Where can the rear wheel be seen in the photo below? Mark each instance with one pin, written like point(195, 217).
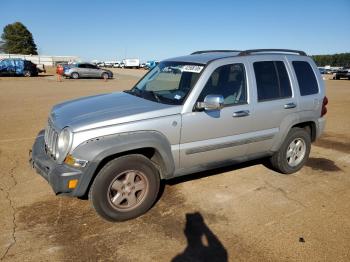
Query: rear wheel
point(125, 188)
point(293, 153)
point(75, 75)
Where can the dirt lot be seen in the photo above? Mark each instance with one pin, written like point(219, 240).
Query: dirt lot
point(242, 213)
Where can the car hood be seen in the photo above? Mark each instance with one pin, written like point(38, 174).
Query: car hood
point(107, 109)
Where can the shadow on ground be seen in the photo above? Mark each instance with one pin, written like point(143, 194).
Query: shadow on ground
point(322, 164)
point(202, 243)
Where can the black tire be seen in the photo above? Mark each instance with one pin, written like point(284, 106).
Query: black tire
point(75, 75)
point(280, 160)
point(27, 73)
point(101, 193)
point(105, 76)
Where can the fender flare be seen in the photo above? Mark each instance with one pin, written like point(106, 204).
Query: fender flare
point(97, 149)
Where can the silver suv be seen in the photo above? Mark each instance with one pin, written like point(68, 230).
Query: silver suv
point(188, 114)
point(86, 70)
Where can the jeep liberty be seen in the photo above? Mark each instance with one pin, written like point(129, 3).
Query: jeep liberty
point(187, 114)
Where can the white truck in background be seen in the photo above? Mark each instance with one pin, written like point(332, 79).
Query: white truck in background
point(131, 63)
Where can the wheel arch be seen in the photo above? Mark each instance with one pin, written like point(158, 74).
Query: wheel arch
point(310, 127)
point(288, 124)
point(99, 151)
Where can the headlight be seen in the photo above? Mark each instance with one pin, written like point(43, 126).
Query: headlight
point(64, 143)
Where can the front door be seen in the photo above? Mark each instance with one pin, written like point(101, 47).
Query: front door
point(211, 137)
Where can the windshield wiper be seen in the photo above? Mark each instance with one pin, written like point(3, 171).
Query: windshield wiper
point(142, 92)
point(154, 94)
point(134, 91)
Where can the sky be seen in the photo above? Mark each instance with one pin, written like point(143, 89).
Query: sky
point(159, 29)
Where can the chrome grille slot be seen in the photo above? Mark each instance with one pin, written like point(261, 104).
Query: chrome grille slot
point(51, 137)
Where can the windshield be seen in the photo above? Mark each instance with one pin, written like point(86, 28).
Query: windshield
point(168, 82)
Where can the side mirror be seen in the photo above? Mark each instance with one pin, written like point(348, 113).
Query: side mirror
point(211, 102)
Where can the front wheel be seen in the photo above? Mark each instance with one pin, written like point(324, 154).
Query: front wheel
point(105, 76)
point(125, 188)
point(293, 153)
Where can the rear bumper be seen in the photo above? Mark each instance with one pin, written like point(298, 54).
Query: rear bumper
point(57, 175)
point(321, 124)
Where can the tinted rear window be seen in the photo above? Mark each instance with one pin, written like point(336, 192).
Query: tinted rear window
point(306, 78)
point(272, 80)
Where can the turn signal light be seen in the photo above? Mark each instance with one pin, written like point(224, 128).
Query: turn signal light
point(72, 183)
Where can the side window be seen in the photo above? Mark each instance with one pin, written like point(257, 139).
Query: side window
point(272, 80)
point(306, 78)
point(82, 66)
point(90, 66)
point(228, 81)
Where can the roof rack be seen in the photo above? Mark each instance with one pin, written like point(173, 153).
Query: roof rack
point(249, 52)
point(214, 51)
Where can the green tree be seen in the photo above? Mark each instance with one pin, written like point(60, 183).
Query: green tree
point(18, 40)
point(1, 46)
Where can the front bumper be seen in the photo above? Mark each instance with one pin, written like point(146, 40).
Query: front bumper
point(58, 175)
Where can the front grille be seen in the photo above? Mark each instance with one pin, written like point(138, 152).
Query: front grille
point(51, 136)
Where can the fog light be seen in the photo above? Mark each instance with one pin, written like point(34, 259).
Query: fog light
point(72, 183)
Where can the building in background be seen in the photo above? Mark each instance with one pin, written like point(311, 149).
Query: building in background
point(43, 59)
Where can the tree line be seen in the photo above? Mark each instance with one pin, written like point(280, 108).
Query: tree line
point(342, 59)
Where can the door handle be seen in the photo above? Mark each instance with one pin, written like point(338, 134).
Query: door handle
point(290, 105)
point(241, 113)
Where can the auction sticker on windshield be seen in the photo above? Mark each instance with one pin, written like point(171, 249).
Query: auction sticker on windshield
point(192, 68)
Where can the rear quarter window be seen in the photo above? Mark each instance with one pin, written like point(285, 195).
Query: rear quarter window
point(306, 78)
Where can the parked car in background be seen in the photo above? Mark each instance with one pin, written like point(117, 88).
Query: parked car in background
point(188, 114)
point(111, 63)
point(19, 67)
point(343, 73)
point(131, 63)
point(86, 70)
point(322, 71)
point(116, 64)
point(100, 64)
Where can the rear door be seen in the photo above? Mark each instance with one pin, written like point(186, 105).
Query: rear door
point(275, 102)
point(82, 70)
point(93, 71)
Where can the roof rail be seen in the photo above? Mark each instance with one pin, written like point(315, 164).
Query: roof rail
point(249, 52)
point(214, 51)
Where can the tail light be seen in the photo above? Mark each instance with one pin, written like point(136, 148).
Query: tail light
point(324, 108)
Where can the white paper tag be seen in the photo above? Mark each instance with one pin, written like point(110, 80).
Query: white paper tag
point(192, 68)
point(177, 97)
